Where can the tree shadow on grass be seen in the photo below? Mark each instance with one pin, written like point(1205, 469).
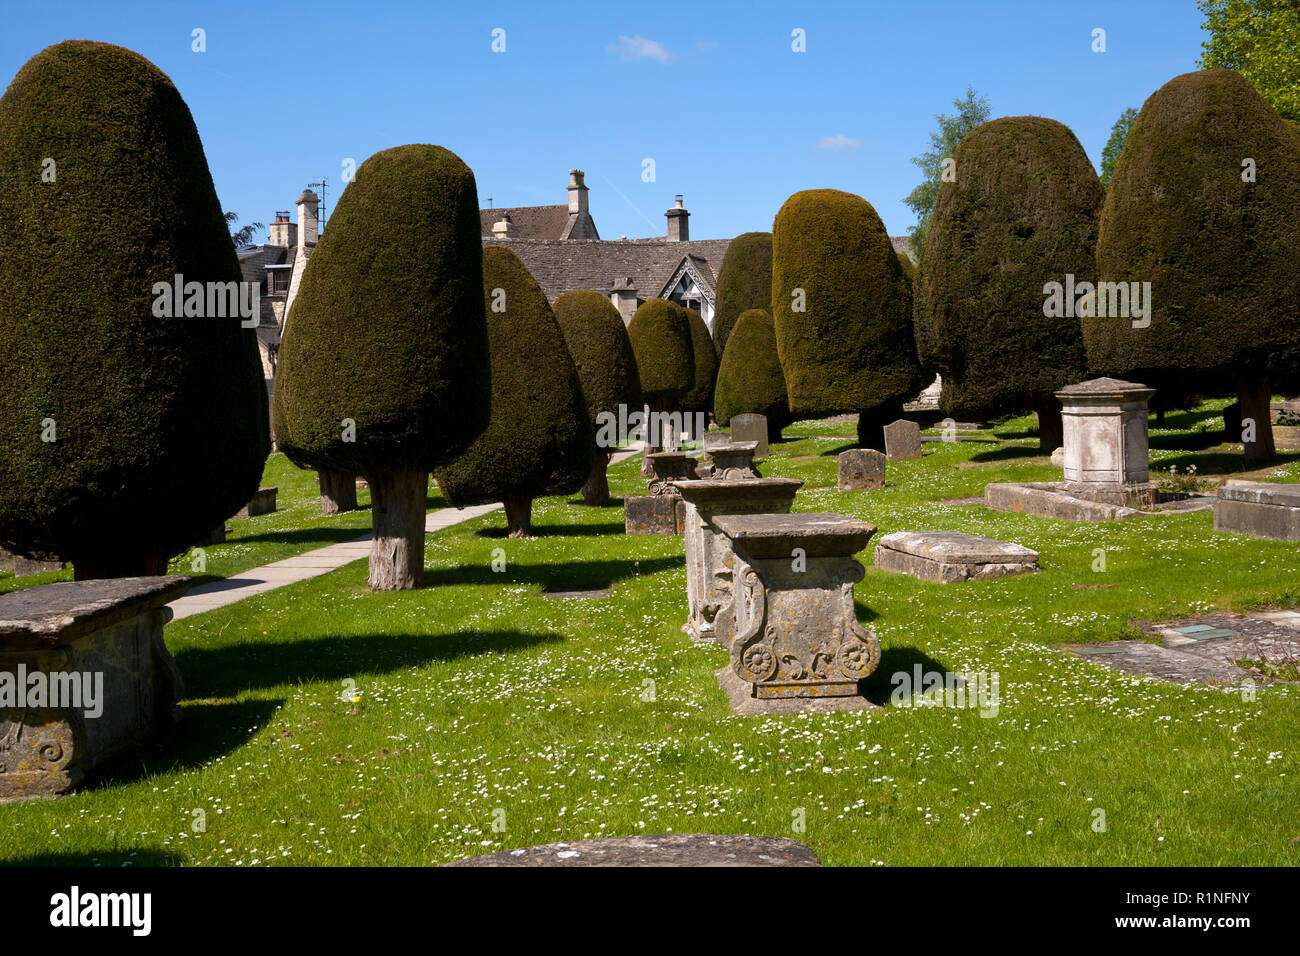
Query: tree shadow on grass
point(235, 669)
point(880, 685)
point(320, 536)
point(559, 530)
point(575, 575)
point(1008, 454)
point(834, 452)
point(109, 859)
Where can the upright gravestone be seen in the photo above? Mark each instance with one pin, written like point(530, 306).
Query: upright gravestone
point(1106, 451)
point(861, 469)
point(750, 427)
point(902, 440)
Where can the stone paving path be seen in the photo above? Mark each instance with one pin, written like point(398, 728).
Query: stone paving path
point(1204, 649)
point(300, 567)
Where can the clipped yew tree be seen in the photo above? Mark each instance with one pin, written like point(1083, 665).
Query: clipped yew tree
point(700, 396)
point(540, 438)
point(383, 369)
point(128, 430)
point(602, 355)
point(1204, 204)
point(842, 308)
point(750, 379)
point(1021, 214)
point(744, 282)
point(665, 360)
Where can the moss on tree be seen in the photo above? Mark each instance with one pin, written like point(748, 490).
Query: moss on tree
point(750, 379)
point(700, 396)
point(744, 282)
point(125, 436)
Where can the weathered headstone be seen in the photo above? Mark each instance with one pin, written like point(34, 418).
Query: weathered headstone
point(108, 686)
point(671, 849)
point(1106, 451)
point(22, 566)
point(1058, 458)
point(949, 556)
point(902, 440)
point(709, 558)
point(1261, 509)
point(861, 469)
point(798, 641)
point(262, 503)
point(750, 427)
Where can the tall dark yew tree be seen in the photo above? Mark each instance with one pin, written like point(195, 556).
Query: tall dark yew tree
point(125, 436)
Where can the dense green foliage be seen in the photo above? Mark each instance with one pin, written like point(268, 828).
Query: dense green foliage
point(971, 112)
point(700, 396)
point(744, 282)
point(388, 328)
point(540, 437)
point(1115, 145)
point(909, 268)
point(850, 348)
point(105, 191)
point(1022, 213)
point(1260, 39)
point(750, 377)
point(1220, 253)
point(661, 340)
point(601, 351)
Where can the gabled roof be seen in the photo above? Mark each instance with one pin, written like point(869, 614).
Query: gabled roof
point(531, 222)
point(563, 265)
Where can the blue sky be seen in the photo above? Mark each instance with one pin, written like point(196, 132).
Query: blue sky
point(712, 92)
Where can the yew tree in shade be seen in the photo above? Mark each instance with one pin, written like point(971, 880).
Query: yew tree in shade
point(540, 438)
point(1021, 213)
point(750, 379)
point(700, 396)
point(665, 357)
point(602, 354)
point(1222, 253)
point(744, 282)
point(843, 312)
point(124, 436)
point(383, 370)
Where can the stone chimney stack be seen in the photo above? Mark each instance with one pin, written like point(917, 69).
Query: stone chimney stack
point(679, 229)
point(308, 222)
point(504, 228)
point(623, 294)
point(282, 231)
point(577, 192)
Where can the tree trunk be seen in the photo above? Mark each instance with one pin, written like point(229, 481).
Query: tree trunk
point(338, 492)
point(120, 563)
point(1051, 429)
point(1254, 393)
point(871, 425)
point(1232, 422)
point(1160, 414)
point(596, 490)
point(397, 503)
point(774, 427)
point(519, 515)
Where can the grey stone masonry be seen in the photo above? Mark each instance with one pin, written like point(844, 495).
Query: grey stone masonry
point(672, 849)
point(950, 556)
point(751, 427)
point(1106, 450)
point(1260, 509)
point(902, 440)
point(860, 469)
point(709, 558)
point(797, 635)
point(84, 678)
point(733, 461)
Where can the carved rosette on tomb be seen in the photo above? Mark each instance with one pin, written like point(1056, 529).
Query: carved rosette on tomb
point(797, 634)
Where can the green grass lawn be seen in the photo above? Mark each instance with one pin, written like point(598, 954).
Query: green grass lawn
point(487, 716)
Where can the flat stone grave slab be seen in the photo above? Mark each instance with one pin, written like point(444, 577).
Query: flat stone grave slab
point(1207, 649)
point(672, 849)
point(85, 678)
point(950, 556)
point(750, 427)
point(575, 594)
point(1055, 499)
point(1260, 509)
point(860, 469)
point(902, 440)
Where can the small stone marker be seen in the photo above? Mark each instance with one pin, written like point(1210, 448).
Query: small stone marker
point(902, 440)
point(949, 556)
point(861, 469)
point(750, 427)
point(1058, 458)
point(56, 638)
point(798, 643)
point(672, 849)
point(1265, 510)
point(262, 503)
